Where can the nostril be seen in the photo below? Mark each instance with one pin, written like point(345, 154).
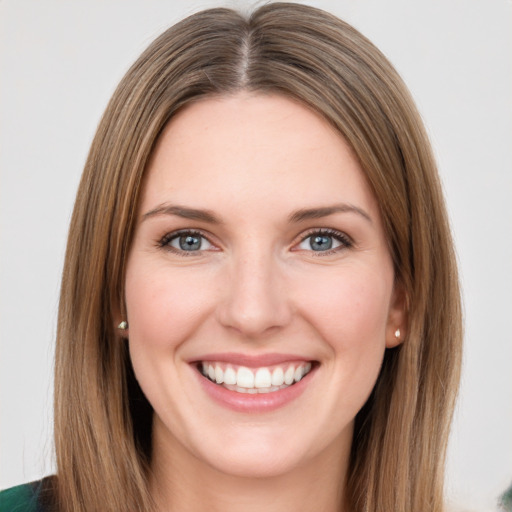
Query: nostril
point(254, 301)
point(254, 317)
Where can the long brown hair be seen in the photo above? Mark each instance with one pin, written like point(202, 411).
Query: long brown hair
point(102, 439)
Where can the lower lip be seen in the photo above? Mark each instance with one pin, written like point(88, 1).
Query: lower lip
point(257, 402)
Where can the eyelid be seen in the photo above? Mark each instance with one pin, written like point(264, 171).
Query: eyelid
point(164, 242)
point(345, 240)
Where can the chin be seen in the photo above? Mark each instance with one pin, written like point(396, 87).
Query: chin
point(253, 464)
point(260, 453)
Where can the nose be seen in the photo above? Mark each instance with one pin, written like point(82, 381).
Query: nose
point(255, 301)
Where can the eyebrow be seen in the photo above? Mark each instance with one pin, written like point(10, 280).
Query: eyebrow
point(297, 216)
point(184, 212)
point(324, 211)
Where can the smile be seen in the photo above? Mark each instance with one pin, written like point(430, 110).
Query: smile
point(267, 379)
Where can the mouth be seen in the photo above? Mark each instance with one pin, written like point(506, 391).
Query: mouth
point(258, 380)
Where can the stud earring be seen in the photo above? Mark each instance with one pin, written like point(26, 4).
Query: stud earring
point(397, 334)
point(123, 325)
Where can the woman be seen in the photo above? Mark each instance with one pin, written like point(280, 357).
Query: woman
point(259, 304)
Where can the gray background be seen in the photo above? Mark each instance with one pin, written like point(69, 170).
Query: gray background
point(59, 64)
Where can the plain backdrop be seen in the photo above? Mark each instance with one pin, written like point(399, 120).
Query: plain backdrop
point(60, 62)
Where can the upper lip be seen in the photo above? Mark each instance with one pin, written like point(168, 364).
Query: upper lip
point(251, 361)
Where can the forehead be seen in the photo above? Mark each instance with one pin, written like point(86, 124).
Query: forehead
point(253, 147)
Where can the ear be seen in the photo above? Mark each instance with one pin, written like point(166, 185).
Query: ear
point(396, 328)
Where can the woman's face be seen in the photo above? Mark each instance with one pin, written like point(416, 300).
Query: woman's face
point(259, 288)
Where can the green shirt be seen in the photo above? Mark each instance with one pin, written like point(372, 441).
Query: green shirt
point(22, 498)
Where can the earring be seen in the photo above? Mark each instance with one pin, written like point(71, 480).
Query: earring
point(397, 334)
point(123, 325)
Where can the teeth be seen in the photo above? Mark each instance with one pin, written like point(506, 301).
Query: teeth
point(263, 378)
point(255, 390)
point(260, 380)
point(278, 377)
point(289, 374)
point(219, 375)
point(244, 377)
point(229, 376)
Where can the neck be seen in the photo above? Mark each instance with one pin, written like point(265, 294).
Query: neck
point(180, 481)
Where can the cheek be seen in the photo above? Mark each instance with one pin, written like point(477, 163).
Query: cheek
point(351, 309)
point(164, 307)
point(164, 310)
point(350, 314)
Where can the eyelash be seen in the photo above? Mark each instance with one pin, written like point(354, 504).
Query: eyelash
point(164, 242)
point(345, 241)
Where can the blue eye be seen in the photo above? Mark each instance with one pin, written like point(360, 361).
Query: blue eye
point(322, 241)
point(186, 241)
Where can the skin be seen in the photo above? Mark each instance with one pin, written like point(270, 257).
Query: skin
point(257, 287)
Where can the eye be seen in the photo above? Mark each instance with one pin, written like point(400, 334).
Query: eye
point(186, 241)
point(325, 241)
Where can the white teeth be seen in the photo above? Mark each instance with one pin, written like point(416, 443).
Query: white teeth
point(289, 374)
point(229, 376)
point(255, 390)
point(261, 380)
point(219, 375)
point(278, 377)
point(244, 377)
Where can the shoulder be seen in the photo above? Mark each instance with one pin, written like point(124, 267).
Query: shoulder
point(23, 498)
point(506, 500)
